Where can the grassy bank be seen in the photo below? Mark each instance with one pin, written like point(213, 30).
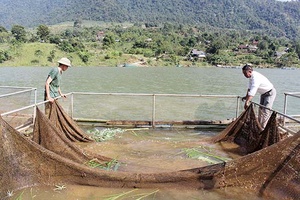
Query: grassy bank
point(37, 54)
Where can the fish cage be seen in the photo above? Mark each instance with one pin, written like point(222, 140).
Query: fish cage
point(156, 159)
point(136, 109)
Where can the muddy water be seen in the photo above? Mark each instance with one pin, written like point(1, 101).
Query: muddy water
point(147, 151)
point(72, 192)
point(158, 150)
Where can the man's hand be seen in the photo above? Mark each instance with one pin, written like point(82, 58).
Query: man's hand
point(246, 105)
point(51, 100)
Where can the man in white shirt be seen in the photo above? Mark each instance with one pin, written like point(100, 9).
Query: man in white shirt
point(259, 83)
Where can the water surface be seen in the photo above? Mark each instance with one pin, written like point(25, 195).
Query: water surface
point(173, 80)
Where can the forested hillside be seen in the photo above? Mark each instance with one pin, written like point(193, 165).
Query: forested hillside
point(279, 19)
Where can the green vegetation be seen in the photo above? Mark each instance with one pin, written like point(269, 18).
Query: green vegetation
point(105, 134)
point(59, 187)
point(111, 165)
point(143, 45)
point(274, 18)
point(202, 153)
point(129, 195)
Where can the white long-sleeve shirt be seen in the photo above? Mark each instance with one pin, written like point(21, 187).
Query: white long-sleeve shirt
point(259, 83)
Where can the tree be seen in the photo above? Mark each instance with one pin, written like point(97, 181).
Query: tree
point(43, 32)
point(38, 53)
point(4, 35)
point(108, 40)
point(192, 42)
point(84, 56)
point(289, 59)
point(19, 33)
point(4, 56)
point(66, 46)
point(51, 56)
point(297, 48)
point(263, 45)
point(215, 47)
point(2, 29)
point(78, 23)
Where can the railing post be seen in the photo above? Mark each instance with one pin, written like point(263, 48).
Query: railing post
point(284, 107)
point(35, 102)
point(72, 104)
point(153, 111)
point(237, 110)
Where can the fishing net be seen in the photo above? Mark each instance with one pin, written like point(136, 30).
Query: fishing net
point(46, 134)
point(248, 134)
point(65, 124)
point(272, 172)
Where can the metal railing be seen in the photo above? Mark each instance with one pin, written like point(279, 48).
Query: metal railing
point(153, 108)
point(291, 94)
point(14, 103)
point(19, 91)
point(293, 124)
point(295, 107)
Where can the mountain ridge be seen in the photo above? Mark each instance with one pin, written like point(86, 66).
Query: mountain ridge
point(280, 19)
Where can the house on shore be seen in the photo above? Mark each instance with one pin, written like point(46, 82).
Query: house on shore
point(197, 54)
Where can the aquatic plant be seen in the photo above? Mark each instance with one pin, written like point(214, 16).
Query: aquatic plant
point(140, 133)
point(144, 195)
point(128, 195)
point(117, 196)
point(9, 193)
point(113, 165)
point(204, 154)
point(20, 196)
point(105, 134)
point(59, 187)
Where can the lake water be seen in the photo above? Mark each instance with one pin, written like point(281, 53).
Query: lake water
point(168, 80)
point(161, 80)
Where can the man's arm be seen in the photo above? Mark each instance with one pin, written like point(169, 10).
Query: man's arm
point(61, 94)
point(47, 88)
point(247, 99)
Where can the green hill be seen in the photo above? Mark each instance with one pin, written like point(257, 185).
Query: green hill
point(276, 18)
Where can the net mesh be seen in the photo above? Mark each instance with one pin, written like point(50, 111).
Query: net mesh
point(56, 138)
point(248, 134)
point(271, 172)
point(65, 124)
